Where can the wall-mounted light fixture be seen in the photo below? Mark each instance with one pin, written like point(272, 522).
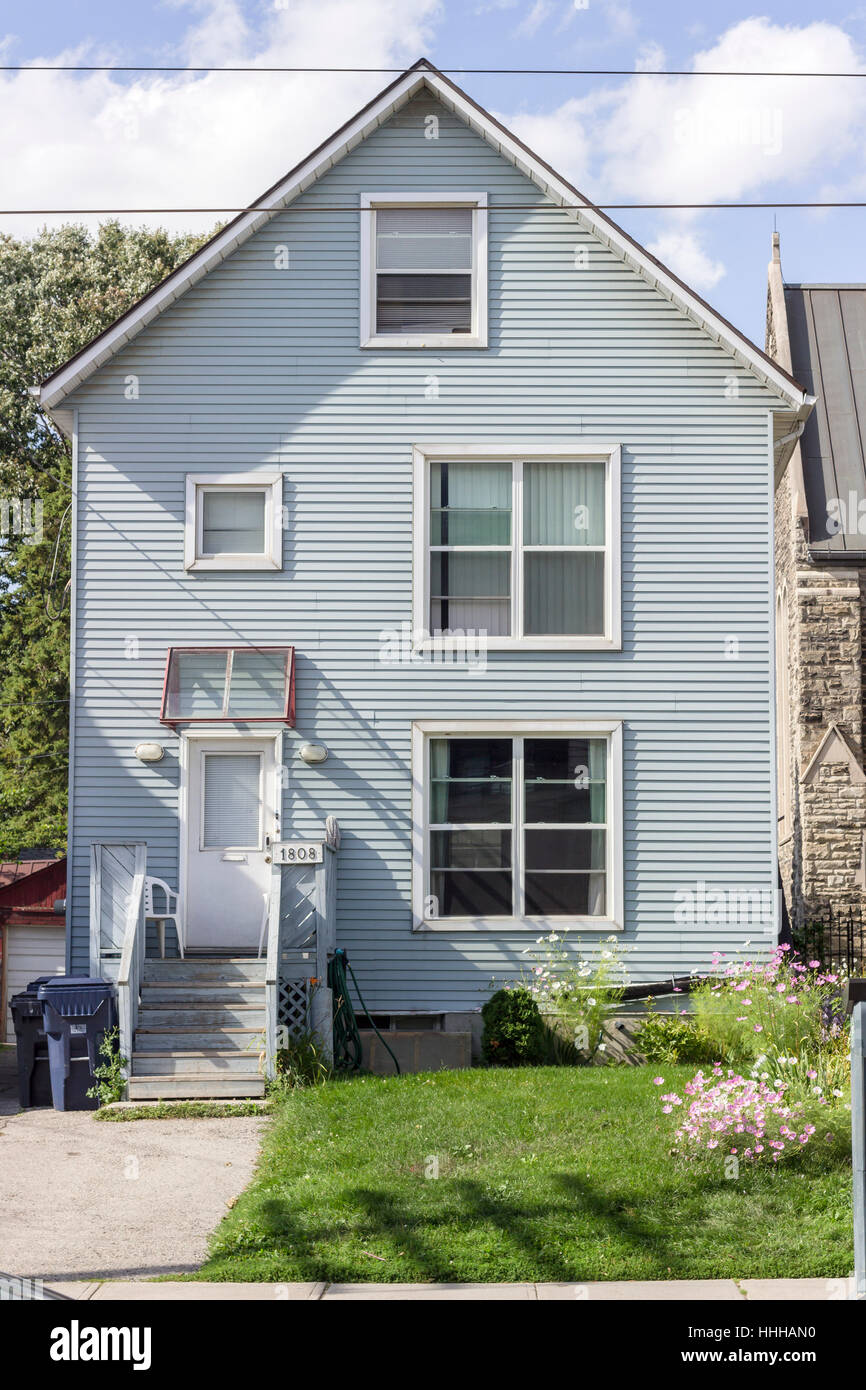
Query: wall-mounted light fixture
point(149, 752)
point(313, 753)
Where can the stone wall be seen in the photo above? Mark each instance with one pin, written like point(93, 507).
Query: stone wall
point(786, 557)
point(821, 842)
point(821, 836)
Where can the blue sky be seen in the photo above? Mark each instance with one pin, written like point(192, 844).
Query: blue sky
point(167, 140)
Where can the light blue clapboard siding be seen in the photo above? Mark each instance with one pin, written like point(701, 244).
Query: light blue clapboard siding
point(257, 366)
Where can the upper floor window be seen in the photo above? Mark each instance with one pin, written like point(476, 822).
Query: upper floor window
point(423, 270)
point(233, 521)
point(522, 549)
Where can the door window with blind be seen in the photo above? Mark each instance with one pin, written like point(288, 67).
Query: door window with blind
point(424, 280)
point(231, 801)
point(522, 550)
point(233, 522)
point(518, 828)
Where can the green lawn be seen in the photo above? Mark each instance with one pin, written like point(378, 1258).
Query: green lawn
point(544, 1174)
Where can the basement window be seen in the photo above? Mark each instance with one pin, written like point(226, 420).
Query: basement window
point(247, 685)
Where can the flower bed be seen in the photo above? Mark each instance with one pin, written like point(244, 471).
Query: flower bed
point(779, 1026)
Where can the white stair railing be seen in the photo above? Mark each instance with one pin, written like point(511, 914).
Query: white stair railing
point(117, 926)
point(272, 974)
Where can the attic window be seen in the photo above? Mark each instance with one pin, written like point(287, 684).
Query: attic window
point(424, 271)
point(244, 684)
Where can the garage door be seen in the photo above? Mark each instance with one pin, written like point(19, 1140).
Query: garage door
point(31, 951)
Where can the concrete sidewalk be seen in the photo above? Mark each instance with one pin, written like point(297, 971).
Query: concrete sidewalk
point(704, 1290)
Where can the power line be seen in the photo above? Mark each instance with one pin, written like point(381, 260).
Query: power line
point(391, 72)
point(495, 207)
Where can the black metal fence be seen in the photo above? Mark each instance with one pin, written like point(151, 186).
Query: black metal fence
point(836, 936)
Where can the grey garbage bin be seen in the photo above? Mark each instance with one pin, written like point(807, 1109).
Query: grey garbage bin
point(77, 1012)
point(34, 1079)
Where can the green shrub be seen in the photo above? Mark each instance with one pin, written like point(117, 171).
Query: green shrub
point(513, 1030)
point(110, 1072)
point(669, 1041)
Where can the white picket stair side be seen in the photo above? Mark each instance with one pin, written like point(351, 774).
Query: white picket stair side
point(212, 1025)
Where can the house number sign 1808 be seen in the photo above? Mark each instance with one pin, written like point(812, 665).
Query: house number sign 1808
point(298, 852)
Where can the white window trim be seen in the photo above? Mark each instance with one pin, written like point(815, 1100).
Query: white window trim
point(269, 483)
point(425, 729)
point(478, 337)
point(515, 452)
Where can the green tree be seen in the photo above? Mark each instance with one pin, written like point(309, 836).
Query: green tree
point(57, 291)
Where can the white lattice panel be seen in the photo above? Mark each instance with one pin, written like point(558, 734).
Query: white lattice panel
point(293, 1006)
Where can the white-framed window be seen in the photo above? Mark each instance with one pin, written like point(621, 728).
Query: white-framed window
point(233, 521)
point(424, 270)
point(517, 824)
point(520, 542)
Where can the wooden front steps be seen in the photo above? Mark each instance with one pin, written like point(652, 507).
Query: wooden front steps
point(200, 1032)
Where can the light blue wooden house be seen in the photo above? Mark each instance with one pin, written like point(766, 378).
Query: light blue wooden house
point(425, 500)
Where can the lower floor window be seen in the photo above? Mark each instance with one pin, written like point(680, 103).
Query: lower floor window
point(517, 827)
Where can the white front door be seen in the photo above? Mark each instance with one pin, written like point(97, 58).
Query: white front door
point(230, 823)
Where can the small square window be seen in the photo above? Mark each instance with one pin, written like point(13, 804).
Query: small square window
point(233, 522)
point(424, 271)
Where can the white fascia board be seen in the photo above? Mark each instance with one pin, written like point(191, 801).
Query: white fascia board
point(312, 169)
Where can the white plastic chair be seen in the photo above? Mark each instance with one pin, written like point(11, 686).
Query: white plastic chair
point(171, 913)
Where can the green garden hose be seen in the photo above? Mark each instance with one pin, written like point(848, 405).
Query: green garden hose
point(347, 1039)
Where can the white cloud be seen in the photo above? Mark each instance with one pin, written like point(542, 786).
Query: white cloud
point(693, 139)
point(707, 139)
point(621, 19)
point(533, 20)
point(713, 139)
point(682, 252)
point(100, 140)
point(564, 139)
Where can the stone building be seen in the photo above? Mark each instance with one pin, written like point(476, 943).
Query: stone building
point(818, 334)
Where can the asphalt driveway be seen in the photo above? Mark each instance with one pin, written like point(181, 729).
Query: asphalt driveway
point(88, 1199)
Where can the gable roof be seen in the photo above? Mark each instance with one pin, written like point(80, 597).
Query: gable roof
point(421, 75)
point(827, 334)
